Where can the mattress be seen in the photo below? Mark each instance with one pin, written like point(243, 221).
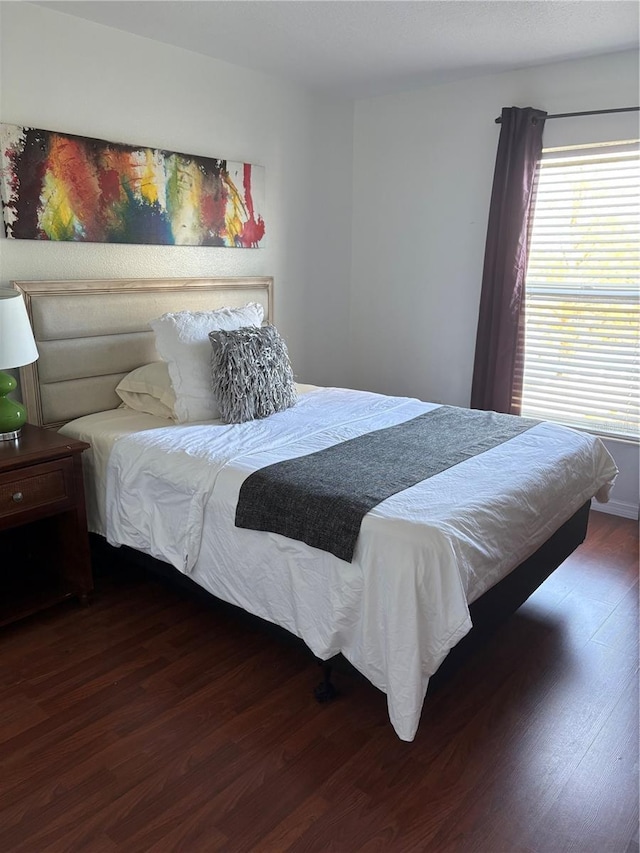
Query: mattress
point(422, 556)
point(101, 430)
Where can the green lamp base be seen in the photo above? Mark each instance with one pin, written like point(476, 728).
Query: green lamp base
point(12, 415)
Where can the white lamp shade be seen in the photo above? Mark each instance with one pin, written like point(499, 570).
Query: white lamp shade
point(17, 346)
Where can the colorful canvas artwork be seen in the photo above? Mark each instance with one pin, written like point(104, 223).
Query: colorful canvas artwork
point(56, 186)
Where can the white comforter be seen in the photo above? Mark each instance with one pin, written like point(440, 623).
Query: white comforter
point(421, 557)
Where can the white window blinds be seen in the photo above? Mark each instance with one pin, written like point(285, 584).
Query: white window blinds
point(582, 311)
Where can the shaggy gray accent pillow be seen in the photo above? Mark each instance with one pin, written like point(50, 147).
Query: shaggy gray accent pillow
point(250, 373)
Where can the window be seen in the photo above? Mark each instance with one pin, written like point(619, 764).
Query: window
point(582, 311)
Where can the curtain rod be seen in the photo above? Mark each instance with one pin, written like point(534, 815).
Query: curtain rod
point(587, 113)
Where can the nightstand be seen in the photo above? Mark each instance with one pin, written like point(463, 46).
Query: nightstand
point(44, 545)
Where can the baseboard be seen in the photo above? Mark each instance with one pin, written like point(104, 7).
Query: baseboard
point(621, 508)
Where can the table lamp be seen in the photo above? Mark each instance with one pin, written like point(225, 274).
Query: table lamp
point(17, 348)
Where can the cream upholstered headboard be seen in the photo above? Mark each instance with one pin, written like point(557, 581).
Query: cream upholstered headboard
point(90, 334)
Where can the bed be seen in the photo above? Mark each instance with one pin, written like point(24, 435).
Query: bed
point(434, 564)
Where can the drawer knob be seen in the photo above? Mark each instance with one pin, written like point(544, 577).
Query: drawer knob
point(17, 497)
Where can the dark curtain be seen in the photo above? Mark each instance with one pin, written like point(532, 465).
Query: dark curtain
point(497, 383)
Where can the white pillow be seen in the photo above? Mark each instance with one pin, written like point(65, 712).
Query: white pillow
point(148, 389)
point(182, 340)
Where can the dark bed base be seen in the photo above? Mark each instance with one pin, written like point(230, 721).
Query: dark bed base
point(487, 613)
point(498, 603)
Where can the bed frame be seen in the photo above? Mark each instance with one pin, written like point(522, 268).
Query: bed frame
point(90, 334)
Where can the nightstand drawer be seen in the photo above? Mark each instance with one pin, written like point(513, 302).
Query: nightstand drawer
point(46, 486)
point(43, 525)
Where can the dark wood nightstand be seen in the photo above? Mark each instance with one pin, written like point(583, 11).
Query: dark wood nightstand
point(44, 546)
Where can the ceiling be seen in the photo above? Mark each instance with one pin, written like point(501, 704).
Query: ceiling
point(362, 48)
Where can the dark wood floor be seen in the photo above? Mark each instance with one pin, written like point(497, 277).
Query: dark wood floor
point(156, 721)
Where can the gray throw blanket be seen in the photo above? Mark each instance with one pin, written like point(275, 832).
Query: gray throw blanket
point(321, 498)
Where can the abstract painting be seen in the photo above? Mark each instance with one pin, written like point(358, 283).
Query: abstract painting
point(57, 186)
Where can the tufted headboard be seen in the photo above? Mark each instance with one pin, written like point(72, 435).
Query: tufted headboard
point(90, 334)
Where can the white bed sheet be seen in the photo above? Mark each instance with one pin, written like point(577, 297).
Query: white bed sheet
point(422, 555)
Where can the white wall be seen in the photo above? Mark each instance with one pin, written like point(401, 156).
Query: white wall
point(61, 73)
point(423, 169)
